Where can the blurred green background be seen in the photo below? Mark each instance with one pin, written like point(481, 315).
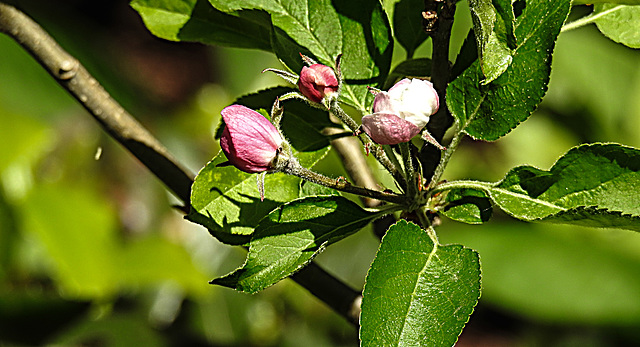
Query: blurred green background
point(92, 254)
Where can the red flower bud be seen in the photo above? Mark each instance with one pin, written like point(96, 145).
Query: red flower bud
point(250, 142)
point(317, 81)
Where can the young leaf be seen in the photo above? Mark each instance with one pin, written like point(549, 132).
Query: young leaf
point(592, 185)
point(198, 21)
point(357, 29)
point(493, 25)
point(621, 23)
point(490, 111)
point(418, 293)
point(291, 236)
point(226, 200)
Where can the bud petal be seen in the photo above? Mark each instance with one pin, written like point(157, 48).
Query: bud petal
point(388, 129)
point(412, 102)
point(249, 140)
point(317, 81)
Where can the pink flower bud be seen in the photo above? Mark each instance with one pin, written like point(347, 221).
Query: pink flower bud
point(317, 81)
point(402, 112)
point(249, 140)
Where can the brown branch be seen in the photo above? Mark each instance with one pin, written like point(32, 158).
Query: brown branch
point(120, 125)
point(440, 73)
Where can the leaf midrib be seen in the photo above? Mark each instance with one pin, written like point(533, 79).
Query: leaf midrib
point(420, 274)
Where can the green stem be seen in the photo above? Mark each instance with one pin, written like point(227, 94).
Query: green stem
point(588, 19)
point(374, 149)
point(342, 185)
point(408, 169)
point(462, 184)
point(426, 225)
point(446, 157)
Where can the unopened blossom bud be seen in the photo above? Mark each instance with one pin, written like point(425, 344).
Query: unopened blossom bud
point(402, 112)
point(250, 142)
point(317, 81)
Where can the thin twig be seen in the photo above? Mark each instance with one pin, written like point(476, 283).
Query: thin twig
point(341, 184)
point(119, 124)
point(377, 151)
point(70, 74)
point(350, 153)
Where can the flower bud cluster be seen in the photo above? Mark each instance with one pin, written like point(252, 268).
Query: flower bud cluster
point(254, 144)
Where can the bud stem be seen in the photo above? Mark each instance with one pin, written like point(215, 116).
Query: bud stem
point(342, 185)
point(446, 156)
point(375, 149)
point(408, 169)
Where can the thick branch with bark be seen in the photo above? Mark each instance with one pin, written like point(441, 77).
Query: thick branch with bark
point(120, 125)
point(440, 74)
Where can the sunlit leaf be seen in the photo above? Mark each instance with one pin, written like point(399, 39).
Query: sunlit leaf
point(593, 185)
point(418, 293)
point(490, 111)
point(493, 26)
point(227, 202)
point(468, 206)
point(357, 29)
point(198, 21)
point(291, 236)
point(621, 23)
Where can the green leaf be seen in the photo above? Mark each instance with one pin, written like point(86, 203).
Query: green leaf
point(621, 23)
point(407, 25)
point(226, 200)
point(490, 111)
point(597, 184)
point(418, 293)
point(291, 236)
point(357, 29)
point(470, 206)
point(493, 26)
point(593, 185)
point(198, 21)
